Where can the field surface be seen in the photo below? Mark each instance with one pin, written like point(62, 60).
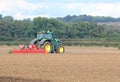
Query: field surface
point(77, 64)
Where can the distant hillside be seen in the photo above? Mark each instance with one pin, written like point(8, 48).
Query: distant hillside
point(88, 18)
point(110, 23)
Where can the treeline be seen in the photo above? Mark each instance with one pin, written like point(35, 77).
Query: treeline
point(87, 18)
point(21, 30)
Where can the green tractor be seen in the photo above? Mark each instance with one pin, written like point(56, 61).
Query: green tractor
point(46, 41)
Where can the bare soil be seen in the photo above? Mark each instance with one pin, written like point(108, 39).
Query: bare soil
point(77, 64)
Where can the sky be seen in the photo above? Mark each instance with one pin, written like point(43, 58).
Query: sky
point(21, 9)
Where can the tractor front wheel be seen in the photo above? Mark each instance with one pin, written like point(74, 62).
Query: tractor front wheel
point(60, 49)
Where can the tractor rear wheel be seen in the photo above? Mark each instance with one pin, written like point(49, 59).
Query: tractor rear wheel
point(60, 49)
point(47, 46)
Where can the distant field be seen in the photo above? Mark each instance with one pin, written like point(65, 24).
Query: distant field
point(77, 64)
point(111, 23)
point(74, 42)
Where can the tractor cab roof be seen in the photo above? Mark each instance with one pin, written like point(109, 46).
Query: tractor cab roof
point(43, 32)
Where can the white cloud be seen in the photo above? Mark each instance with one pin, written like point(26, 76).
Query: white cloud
point(18, 7)
point(95, 9)
point(21, 16)
point(22, 4)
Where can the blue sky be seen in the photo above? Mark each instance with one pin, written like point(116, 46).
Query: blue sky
point(21, 9)
point(93, 1)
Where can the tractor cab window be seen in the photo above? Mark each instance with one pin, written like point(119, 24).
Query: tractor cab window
point(47, 36)
point(40, 36)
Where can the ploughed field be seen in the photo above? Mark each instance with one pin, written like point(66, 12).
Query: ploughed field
point(77, 64)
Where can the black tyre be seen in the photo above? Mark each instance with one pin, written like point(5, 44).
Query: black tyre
point(47, 46)
point(60, 49)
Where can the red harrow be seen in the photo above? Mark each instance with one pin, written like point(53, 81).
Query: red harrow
point(28, 50)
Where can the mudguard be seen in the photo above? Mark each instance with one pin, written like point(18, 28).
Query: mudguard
point(58, 45)
point(33, 41)
point(42, 41)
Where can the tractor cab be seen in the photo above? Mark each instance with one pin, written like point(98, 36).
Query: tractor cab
point(47, 35)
